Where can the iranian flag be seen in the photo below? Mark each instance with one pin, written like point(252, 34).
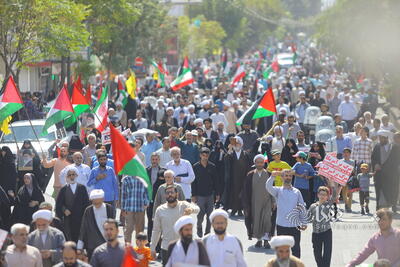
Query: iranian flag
point(123, 94)
point(161, 72)
point(240, 73)
point(88, 94)
point(101, 111)
point(79, 104)
point(61, 110)
point(10, 100)
point(263, 107)
point(126, 161)
point(267, 73)
point(185, 76)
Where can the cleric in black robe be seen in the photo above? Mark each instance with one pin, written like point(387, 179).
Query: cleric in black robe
point(91, 230)
point(27, 201)
point(385, 161)
point(71, 203)
point(237, 164)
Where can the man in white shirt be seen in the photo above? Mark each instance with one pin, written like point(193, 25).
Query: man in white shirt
point(140, 122)
point(164, 152)
point(217, 117)
point(83, 171)
point(183, 170)
point(348, 110)
point(223, 249)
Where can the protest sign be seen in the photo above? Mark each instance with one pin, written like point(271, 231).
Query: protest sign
point(335, 169)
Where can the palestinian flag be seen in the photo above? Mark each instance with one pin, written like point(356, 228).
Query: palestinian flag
point(79, 104)
point(275, 65)
point(101, 111)
point(263, 107)
point(78, 83)
point(126, 161)
point(88, 94)
point(160, 73)
point(10, 100)
point(131, 85)
point(61, 110)
point(267, 73)
point(240, 74)
point(184, 78)
point(123, 94)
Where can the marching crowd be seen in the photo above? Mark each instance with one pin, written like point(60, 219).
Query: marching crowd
point(203, 165)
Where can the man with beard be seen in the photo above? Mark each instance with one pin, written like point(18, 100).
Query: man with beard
point(103, 177)
point(47, 239)
point(209, 132)
point(112, 252)
point(249, 137)
point(91, 230)
point(288, 200)
point(282, 245)
point(71, 204)
point(186, 250)
point(83, 171)
point(258, 203)
point(237, 165)
point(165, 218)
point(223, 249)
point(59, 164)
point(385, 163)
point(70, 256)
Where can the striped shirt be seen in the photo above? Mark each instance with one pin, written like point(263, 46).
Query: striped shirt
point(362, 150)
point(134, 195)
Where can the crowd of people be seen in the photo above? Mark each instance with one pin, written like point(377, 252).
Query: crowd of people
point(204, 167)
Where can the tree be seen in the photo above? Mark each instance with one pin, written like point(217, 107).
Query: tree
point(199, 37)
point(368, 32)
point(34, 29)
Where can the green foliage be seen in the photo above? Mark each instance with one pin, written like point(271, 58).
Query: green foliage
point(199, 37)
point(367, 31)
point(85, 68)
point(34, 29)
point(238, 20)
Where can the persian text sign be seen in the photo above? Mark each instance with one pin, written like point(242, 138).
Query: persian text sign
point(335, 169)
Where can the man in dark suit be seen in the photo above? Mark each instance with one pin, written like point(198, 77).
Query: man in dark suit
point(71, 204)
point(156, 174)
point(209, 132)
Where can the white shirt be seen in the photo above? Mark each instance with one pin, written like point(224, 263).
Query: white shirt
point(225, 253)
point(277, 144)
point(184, 167)
point(348, 110)
point(100, 214)
point(217, 118)
point(165, 156)
point(83, 175)
point(73, 187)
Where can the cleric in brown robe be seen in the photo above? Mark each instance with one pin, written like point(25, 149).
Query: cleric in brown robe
point(258, 203)
point(237, 165)
point(71, 203)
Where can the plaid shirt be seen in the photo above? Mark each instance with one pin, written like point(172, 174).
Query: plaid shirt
point(133, 194)
point(362, 150)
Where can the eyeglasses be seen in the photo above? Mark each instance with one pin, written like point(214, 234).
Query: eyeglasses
point(170, 192)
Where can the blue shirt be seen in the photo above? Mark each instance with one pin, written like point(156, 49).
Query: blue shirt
point(343, 143)
point(133, 194)
point(286, 201)
point(306, 168)
point(148, 149)
point(109, 184)
point(190, 152)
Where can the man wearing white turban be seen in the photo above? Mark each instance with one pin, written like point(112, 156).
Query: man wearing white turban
point(282, 245)
point(385, 160)
point(258, 203)
point(237, 165)
point(186, 251)
point(91, 229)
point(224, 250)
point(47, 239)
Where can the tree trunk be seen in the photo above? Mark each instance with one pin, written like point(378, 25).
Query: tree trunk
point(62, 78)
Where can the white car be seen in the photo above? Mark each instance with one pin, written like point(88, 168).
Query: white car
point(285, 60)
point(22, 131)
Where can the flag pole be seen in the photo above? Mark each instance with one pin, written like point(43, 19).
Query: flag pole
point(37, 138)
point(15, 138)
